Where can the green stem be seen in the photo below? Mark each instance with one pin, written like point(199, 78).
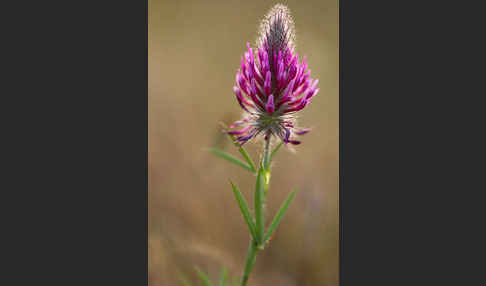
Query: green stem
point(250, 261)
point(266, 154)
point(253, 248)
point(266, 164)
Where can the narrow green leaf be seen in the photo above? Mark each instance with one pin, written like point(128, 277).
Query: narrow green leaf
point(279, 215)
point(223, 277)
point(230, 158)
point(244, 210)
point(259, 200)
point(275, 150)
point(184, 280)
point(244, 153)
point(204, 277)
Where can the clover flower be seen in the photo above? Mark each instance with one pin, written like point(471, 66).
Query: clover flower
point(273, 85)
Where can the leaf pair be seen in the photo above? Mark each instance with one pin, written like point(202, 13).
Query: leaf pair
point(257, 228)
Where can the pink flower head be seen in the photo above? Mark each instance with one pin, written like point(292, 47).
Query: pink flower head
point(272, 84)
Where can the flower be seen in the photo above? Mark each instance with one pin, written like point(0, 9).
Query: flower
point(275, 85)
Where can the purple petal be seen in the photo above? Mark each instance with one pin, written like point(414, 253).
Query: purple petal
point(242, 82)
point(301, 89)
point(244, 100)
point(258, 90)
point(270, 107)
point(250, 52)
point(298, 77)
point(314, 92)
point(290, 87)
point(287, 135)
point(294, 60)
point(313, 86)
point(243, 66)
point(303, 131)
point(303, 103)
point(289, 124)
point(240, 98)
point(260, 56)
point(266, 62)
point(239, 132)
point(250, 71)
point(239, 122)
point(243, 139)
point(280, 71)
point(306, 75)
point(268, 83)
point(253, 95)
point(302, 70)
point(282, 80)
point(288, 56)
point(292, 72)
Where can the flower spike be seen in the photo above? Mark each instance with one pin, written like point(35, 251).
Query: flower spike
point(272, 83)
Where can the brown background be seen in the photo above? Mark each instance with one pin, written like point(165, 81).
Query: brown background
point(194, 52)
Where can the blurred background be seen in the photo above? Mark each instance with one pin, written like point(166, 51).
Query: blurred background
point(194, 50)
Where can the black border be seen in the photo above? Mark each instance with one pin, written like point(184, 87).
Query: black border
point(76, 192)
point(408, 132)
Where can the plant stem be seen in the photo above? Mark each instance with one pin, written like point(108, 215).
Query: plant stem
point(250, 261)
point(266, 164)
point(253, 248)
point(266, 154)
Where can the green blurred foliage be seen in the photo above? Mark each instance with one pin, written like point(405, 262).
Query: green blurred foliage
point(194, 220)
